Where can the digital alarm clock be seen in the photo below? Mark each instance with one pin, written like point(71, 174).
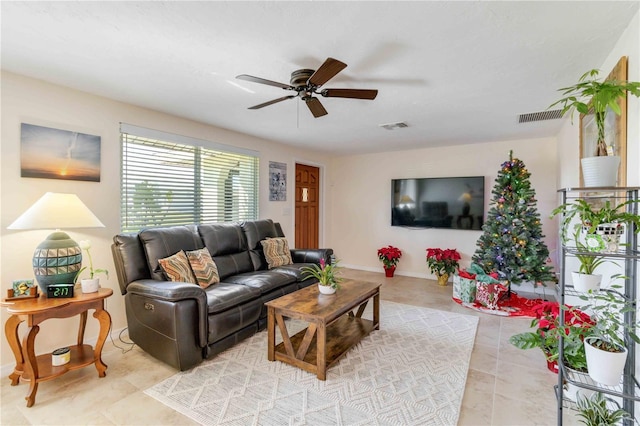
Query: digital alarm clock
point(59, 291)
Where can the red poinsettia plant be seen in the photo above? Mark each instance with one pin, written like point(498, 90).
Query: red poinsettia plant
point(577, 325)
point(442, 261)
point(390, 256)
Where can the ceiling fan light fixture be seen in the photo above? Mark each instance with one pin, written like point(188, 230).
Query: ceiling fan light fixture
point(393, 126)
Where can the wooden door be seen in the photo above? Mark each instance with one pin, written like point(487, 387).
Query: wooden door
point(307, 206)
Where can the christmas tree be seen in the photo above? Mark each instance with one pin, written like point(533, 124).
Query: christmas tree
point(511, 243)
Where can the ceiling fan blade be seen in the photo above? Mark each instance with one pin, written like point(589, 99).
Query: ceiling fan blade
point(326, 72)
point(275, 101)
point(263, 81)
point(350, 93)
point(316, 107)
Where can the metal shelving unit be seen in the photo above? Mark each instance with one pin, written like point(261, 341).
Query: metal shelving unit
point(628, 391)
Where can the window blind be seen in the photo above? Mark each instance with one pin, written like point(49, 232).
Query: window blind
point(174, 180)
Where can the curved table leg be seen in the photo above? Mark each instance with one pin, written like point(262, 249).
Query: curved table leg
point(11, 331)
point(105, 324)
point(81, 328)
point(28, 352)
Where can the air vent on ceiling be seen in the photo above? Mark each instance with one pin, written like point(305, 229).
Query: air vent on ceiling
point(398, 125)
point(540, 116)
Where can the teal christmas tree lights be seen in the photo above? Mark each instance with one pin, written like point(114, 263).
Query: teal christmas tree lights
point(512, 241)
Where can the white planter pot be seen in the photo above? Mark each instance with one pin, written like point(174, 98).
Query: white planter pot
point(90, 285)
point(572, 391)
point(325, 289)
point(585, 282)
point(605, 367)
point(600, 171)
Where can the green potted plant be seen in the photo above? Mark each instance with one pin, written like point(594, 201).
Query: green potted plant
point(590, 94)
point(605, 346)
point(92, 284)
point(603, 225)
point(585, 278)
point(594, 412)
point(577, 325)
point(326, 274)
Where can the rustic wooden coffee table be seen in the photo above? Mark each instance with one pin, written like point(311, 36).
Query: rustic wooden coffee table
point(333, 326)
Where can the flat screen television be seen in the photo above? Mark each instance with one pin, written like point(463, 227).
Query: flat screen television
point(448, 202)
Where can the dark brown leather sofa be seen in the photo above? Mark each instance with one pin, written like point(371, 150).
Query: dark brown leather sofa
point(181, 323)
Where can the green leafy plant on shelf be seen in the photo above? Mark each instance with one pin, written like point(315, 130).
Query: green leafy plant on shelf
point(593, 411)
point(608, 308)
point(589, 94)
point(591, 216)
point(588, 262)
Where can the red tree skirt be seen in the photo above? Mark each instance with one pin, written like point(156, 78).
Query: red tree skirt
point(513, 306)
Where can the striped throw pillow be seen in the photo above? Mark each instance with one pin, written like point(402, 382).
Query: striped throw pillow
point(203, 266)
point(276, 251)
point(177, 268)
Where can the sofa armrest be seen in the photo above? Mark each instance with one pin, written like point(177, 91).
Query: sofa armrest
point(311, 255)
point(170, 291)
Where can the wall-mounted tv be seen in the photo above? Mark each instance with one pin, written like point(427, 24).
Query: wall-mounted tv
point(448, 202)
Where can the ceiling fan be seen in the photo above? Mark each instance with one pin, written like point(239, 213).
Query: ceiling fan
point(306, 83)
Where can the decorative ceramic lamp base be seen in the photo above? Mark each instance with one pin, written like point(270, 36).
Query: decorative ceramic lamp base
point(443, 279)
point(56, 260)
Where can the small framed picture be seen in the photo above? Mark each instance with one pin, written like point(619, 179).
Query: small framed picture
point(23, 288)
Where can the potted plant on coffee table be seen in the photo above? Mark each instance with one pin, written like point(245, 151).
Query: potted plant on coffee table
point(326, 274)
point(389, 256)
point(590, 94)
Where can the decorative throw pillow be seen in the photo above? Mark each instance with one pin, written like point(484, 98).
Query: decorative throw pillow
point(177, 268)
point(276, 251)
point(203, 266)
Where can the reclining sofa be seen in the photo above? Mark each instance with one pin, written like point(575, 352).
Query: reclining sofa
point(182, 323)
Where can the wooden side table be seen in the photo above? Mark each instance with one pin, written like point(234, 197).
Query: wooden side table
point(36, 369)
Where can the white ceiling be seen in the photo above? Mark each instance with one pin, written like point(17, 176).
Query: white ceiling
point(456, 72)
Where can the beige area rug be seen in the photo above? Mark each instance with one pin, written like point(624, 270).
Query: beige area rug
point(410, 372)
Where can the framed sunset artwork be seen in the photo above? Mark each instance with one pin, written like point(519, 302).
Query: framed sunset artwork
point(58, 154)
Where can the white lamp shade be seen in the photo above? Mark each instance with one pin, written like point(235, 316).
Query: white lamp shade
point(57, 211)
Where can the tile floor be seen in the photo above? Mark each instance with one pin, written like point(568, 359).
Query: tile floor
point(505, 385)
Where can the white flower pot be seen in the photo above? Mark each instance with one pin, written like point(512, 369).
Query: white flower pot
point(325, 289)
point(600, 171)
point(90, 285)
point(605, 367)
point(585, 282)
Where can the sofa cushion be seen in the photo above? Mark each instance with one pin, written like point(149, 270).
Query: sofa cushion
point(256, 231)
point(223, 238)
point(164, 242)
point(276, 252)
point(265, 281)
point(203, 267)
point(177, 268)
point(294, 269)
point(224, 296)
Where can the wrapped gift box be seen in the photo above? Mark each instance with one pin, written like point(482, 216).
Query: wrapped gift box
point(488, 294)
point(464, 288)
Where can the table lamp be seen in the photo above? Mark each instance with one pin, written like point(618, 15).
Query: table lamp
point(58, 258)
